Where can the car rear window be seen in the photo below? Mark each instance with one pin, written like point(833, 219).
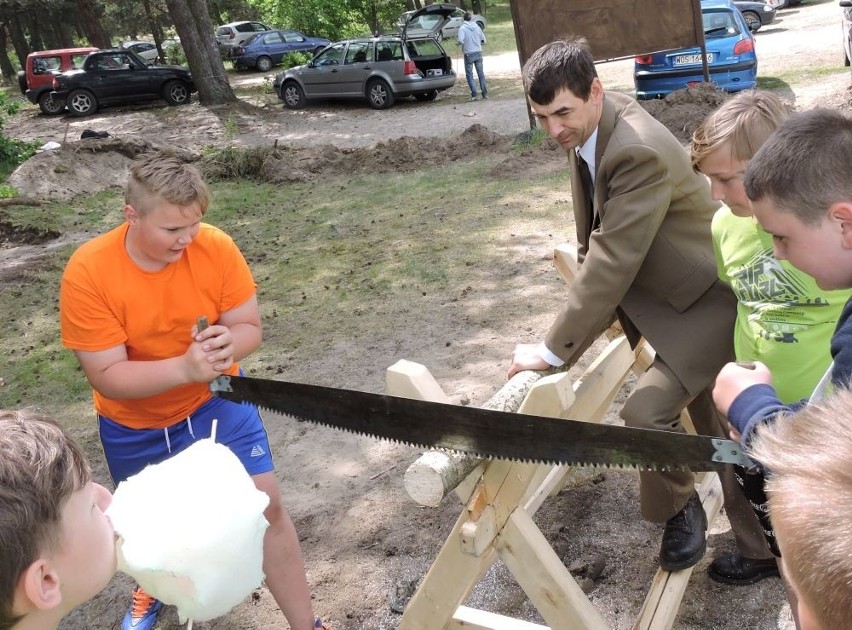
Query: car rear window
point(424, 48)
point(719, 24)
point(46, 64)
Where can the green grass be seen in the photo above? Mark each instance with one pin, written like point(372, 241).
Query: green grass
point(500, 31)
point(799, 76)
point(347, 242)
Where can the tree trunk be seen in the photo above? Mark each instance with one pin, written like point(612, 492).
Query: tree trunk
point(92, 25)
point(6, 66)
point(193, 25)
point(19, 40)
point(156, 31)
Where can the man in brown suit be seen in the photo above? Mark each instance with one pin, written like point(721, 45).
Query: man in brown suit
point(645, 252)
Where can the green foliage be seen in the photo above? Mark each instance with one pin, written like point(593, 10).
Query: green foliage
point(528, 140)
point(176, 56)
point(293, 59)
point(7, 191)
point(12, 152)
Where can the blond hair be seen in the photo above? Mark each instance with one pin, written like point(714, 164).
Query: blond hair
point(809, 460)
point(41, 466)
point(156, 177)
point(744, 122)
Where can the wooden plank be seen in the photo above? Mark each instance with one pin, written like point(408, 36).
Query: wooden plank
point(539, 571)
point(663, 600)
point(473, 619)
point(408, 379)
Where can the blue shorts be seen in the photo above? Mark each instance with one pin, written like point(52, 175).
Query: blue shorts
point(239, 427)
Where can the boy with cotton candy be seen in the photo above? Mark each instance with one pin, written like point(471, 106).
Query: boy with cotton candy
point(129, 302)
point(57, 548)
point(201, 549)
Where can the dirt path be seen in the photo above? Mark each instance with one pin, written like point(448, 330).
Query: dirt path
point(363, 538)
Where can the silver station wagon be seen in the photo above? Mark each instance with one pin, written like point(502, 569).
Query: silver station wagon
point(379, 69)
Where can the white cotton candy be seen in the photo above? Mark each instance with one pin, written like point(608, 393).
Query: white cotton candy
point(191, 530)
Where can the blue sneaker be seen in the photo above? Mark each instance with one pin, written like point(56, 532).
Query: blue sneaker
point(143, 611)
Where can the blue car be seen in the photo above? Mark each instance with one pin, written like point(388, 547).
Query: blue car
point(267, 49)
point(731, 57)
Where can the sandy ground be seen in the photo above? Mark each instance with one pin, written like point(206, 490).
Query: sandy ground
point(365, 541)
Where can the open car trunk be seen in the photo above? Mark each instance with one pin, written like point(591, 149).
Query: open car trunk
point(429, 57)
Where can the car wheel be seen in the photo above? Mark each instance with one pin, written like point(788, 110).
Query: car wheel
point(176, 93)
point(264, 64)
point(752, 20)
point(379, 94)
point(481, 25)
point(431, 95)
point(293, 95)
point(82, 103)
point(48, 105)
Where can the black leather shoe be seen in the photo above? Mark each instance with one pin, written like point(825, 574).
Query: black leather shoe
point(684, 541)
point(737, 570)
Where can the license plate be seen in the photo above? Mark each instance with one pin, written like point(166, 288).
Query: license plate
point(688, 60)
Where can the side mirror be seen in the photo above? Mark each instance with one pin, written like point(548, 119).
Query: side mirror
point(846, 3)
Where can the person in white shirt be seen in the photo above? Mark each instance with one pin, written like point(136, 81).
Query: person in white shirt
point(471, 38)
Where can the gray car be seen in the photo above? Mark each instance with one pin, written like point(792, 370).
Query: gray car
point(380, 69)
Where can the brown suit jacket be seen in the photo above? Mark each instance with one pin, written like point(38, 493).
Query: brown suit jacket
point(651, 261)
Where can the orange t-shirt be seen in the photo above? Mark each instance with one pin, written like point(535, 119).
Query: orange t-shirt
point(106, 300)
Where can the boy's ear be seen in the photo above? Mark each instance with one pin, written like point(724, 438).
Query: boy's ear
point(841, 214)
point(130, 213)
point(39, 586)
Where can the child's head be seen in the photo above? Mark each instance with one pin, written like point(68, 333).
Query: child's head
point(57, 548)
point(158, 177)
point(801, 193)
point(728, 138)
point(808, 456)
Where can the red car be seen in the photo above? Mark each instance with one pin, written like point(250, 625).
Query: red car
point(36, 79)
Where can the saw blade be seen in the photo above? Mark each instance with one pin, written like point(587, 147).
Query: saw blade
point(483, 432)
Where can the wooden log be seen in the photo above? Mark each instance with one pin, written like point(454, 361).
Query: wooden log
point(663, 600)
point(20, 201)
point(473, 619)
point(436, 473)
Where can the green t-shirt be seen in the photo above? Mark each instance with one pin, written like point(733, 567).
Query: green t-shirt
point(783, 318)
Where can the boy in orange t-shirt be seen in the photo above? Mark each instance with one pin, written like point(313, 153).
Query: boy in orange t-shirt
point(129, 301)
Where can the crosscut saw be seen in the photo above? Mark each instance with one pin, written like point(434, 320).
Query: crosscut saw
point(483, 432)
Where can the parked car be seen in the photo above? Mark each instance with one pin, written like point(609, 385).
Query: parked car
point(846, 26)
point(36, 79)
point(146, 50)
point(756, 14)
point(120, 76)
point(267, 49)
point(731, 57)
point(229, 36)
point(380, 69)
point(442, 20)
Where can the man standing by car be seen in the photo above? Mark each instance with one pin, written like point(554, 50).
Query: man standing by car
point(643, 229)
point(471, 38)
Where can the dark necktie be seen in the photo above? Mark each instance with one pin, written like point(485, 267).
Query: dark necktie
point(589, 189)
